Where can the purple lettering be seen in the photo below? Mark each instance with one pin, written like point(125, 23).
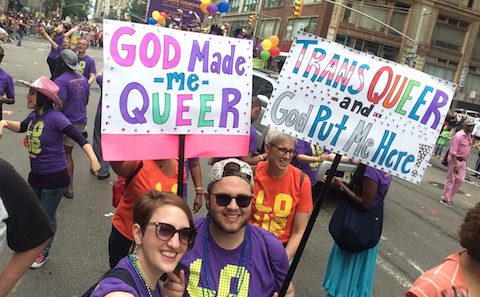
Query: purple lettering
point(228, 106)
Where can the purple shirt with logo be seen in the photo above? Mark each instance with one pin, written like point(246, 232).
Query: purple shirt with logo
point(55, 53)
point(45, 141)
point(6, 84)
point(263, 274)
point(87, 66)
point(74, 92)
point(383, 181)
point(308, 149)
point(112, 284)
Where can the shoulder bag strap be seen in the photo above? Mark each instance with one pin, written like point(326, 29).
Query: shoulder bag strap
point(134, 173)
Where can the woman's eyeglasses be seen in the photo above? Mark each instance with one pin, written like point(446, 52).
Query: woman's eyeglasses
point(225, 199)
point(283, 150)
point(166, 231)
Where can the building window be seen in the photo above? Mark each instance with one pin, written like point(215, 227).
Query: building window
point(379, 50)
point(440, 67)
point(250, 5)
point(308, 25)
point(476, 47)
point(234, 6)
point(306, 2)
point(268, 28)
point(449, 33)
point(273, 3)
point(398, 18)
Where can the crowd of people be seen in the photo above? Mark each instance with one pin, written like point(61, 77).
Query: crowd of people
point(258, 204)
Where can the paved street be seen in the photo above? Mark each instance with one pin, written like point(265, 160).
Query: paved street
point(418, 230)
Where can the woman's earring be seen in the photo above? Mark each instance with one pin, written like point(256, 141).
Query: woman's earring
point(135, 255)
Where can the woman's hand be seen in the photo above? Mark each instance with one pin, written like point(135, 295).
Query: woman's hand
point(197, 202)
point(3, 124)
point(174, 286)
point(94, 167)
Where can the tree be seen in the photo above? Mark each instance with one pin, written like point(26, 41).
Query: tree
point(137, 9)
point(76, 8)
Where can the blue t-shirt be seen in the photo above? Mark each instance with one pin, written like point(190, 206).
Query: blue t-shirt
point(263, 274)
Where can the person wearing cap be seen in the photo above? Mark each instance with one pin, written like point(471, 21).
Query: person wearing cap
point(458, 153)
point(87, 63)
point(282, 195)
point(45, 128)
point(230, 256)
point(7, 91)
point(74, 93)
point(24, 226)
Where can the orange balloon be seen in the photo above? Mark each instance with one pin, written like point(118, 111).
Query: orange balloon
point(161, 20)
point(274, 39)
point(203, 7)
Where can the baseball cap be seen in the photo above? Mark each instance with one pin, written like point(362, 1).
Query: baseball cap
point(46, 87)
point(70, 58)
point(230, 167)
point(469, 122)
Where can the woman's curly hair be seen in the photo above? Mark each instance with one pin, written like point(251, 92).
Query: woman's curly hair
point(470, 232)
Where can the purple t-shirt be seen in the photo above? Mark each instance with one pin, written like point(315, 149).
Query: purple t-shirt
point(45, 142)
point(383, 181)
point(112, 284)
point(55, 53)
point(264, 273)
point(6, 84)
point(87, 66)
point(74, 92)
point(308, 149)
point(252, 145)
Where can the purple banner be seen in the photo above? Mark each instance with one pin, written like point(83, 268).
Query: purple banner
point(180, 11)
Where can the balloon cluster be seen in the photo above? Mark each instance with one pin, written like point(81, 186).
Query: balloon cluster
point(212, 8)
point(269, 47)
point(159, 18)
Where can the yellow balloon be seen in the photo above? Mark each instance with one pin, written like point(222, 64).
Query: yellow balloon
point(266, 44)
point(274, 39)
point(155, 14)
point(206, 1)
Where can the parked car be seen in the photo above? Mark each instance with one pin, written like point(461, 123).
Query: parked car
point(463, 114)
point(264, 83)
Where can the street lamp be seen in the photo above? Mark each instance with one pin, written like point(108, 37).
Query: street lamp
point(413, 55)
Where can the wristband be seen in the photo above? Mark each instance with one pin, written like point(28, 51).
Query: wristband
point(261, 157)
point(198, 188)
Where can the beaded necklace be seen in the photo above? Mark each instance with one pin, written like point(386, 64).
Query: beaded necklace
point(140, 276)
point(242, 263)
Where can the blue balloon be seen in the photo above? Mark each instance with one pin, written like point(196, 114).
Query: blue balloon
point(152, 21)
point(223, 7)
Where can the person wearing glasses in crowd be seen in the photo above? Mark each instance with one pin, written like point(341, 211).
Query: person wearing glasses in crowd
point(282, 195)
point(231, 257)
point(163, 231)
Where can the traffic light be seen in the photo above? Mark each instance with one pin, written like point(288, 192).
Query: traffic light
point(251, 20)
point(297, 9)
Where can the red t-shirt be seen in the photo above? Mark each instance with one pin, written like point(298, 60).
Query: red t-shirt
point(150, 177)
point(277, 200)
point(444, 280)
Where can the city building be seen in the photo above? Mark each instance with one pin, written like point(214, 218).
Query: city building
point(104, 8)
point(438, 37)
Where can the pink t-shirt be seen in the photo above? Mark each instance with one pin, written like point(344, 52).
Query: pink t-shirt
point(461, 144)
point(445, 280)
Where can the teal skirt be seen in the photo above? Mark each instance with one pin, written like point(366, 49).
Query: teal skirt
point(350, 274)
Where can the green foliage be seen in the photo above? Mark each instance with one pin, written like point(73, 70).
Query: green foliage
point(137, 9)
point(76, 9)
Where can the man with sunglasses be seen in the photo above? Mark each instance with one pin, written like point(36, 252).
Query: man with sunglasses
point(283, 196)
point(231, 257)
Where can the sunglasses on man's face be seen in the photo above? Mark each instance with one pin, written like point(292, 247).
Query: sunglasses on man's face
point(166, 231)
point(225, 199)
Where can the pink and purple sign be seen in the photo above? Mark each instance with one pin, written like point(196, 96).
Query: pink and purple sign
point(159, 83)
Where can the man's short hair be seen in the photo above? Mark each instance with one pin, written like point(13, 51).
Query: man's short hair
point(229, 167)
point(256, 102)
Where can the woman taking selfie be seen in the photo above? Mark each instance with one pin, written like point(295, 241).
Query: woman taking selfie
point(163, 230)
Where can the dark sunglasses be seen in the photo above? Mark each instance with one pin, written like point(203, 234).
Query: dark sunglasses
point(225, 199)
point(166, 231)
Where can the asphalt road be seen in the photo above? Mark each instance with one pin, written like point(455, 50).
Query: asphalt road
point(418, 231)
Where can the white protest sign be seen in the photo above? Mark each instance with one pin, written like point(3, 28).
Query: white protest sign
point(355, 104)
point(165, 81)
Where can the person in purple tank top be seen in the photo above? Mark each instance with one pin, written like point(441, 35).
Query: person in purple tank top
point(56, 42)
point(163, 230)
point(45, 128)
point(231, 257)
point(7, 92)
